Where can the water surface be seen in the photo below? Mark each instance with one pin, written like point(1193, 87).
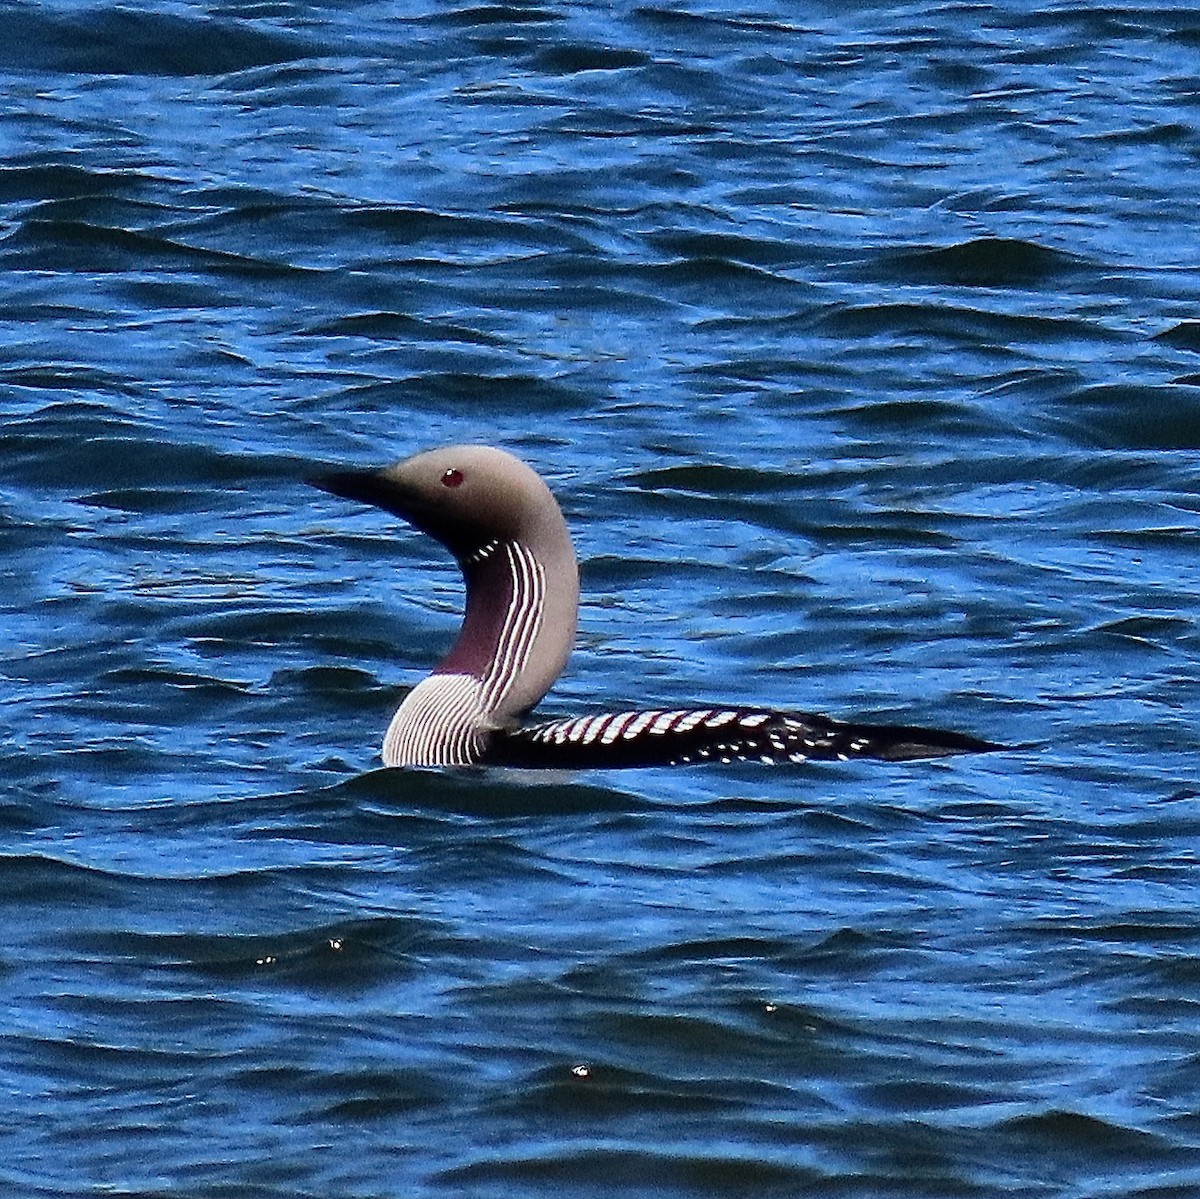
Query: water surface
point(861, 348)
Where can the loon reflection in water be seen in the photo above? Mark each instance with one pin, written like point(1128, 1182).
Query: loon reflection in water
point(507, 532)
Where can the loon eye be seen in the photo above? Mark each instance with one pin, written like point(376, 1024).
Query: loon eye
point(452, 478)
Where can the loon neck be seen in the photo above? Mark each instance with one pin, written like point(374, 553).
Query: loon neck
point(516, 636)
point(502, 626)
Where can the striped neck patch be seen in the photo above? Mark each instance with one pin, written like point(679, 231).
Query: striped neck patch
point(448, 718)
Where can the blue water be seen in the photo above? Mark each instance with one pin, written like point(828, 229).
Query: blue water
point(861, 346)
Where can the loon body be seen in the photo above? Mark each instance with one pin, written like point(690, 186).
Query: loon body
point(508, 535)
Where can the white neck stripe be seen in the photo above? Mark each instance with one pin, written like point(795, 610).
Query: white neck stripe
point(522, 621)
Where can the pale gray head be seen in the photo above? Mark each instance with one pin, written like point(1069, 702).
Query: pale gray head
point(503, 525)
point(465, 496)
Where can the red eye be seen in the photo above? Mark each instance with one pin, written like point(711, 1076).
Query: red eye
point(452, 478)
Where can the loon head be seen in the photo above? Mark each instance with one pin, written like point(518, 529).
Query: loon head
point(465, 496)
point(505, 528)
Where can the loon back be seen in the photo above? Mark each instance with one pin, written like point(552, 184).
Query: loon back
point(508, 535)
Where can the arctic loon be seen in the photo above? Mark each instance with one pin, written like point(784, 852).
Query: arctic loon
point(508, 535)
